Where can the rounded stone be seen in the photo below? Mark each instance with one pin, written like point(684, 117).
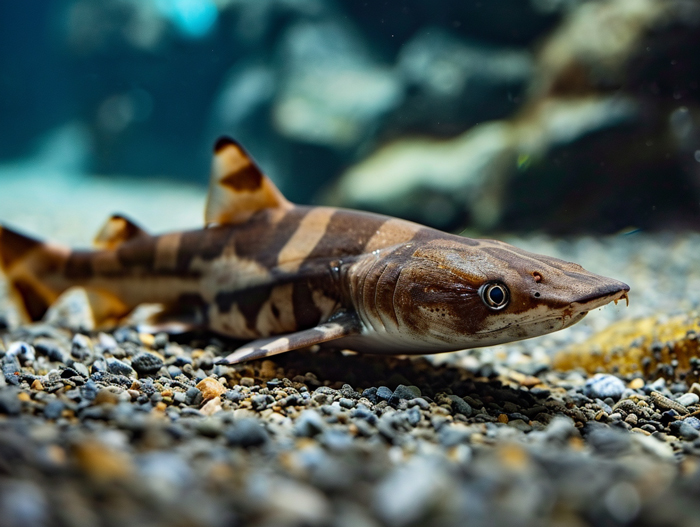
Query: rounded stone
point(146, 363)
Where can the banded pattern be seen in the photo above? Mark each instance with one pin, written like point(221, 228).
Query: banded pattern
point(288, 276)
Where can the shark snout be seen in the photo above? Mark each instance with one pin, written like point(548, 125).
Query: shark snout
point(604, 293)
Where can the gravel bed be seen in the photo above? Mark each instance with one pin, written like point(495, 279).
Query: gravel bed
point(122, 428)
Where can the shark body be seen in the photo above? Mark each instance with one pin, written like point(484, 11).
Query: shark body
point(287, 277)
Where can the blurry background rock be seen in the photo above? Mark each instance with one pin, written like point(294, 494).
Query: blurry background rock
point(560, 115)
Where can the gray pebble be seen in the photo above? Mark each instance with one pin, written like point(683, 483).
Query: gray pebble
point(81, 369)
point(81, 346)
point(688, 432)
point(193, 396)
point(404, 392)
point(384, 393)
point(118, 367)
point(460, 406)
point(603, 385)
point(420, 402)
point(54, 409)
point(10, 369)
point(609, 441)
point(260, 402)
point(692, 421)
point(688, 399)
point(146, 363)
point(309, 424)
point(346, 403)
point(24, 503)
point(9, 403)
point(247, 433)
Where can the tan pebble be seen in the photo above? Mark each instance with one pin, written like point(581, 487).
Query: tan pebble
point(210, 388)
point(640, 431)
point(577, 443)
point(530, 381)
point(502, 418)
point(211, 407)
point(56, 454)
point(167, 393)
point(695, 388)
point(514, 457)
point(24, 396)
point(161, 406)
point(105, 396)
point(247, 381)
point(197, 353)
point(268, 369)
point(636, 384)
point(133, 393)
point(36, 385)
point(101, 463)
point(147, 339)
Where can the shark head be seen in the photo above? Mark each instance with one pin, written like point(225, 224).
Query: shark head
point(455, 293)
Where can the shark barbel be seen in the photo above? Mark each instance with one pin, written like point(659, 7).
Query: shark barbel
point(287, 277)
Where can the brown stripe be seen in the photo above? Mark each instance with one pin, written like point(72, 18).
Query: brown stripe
point(78, 265)
point(139, 252)
point(222, 142)
point(206, 244)
point(33, 302)
point(306, 313)
point(347, 234)
point(106, 263)
point(245, 179)
point(14, 246)
point(262, 241)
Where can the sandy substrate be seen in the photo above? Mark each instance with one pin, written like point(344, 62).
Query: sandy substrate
point(121, 428)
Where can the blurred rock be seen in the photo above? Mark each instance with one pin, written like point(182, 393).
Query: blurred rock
point(332, 93)
point(584, 134)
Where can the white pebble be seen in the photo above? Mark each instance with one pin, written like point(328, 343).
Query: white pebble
point(688, 399)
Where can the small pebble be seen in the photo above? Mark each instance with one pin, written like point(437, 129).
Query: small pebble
point(384, 393)
point(246, 433)
point(688, 399)
point(146, 363)
point(118, 367)
point(210, 388)
point(460, 406)
point(603, 385)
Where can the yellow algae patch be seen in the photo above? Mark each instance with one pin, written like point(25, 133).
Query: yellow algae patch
point(657, 346)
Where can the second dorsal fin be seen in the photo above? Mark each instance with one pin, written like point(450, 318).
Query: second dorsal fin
point(238, 188)
point(116, 231)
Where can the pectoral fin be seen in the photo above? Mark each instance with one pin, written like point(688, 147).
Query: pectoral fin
point(116, 231)
point(238, 188)
point(340, 326)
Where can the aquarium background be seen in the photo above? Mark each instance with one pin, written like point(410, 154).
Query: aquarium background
point(558, 116)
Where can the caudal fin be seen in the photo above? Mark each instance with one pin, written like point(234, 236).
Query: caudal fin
point(31, 268)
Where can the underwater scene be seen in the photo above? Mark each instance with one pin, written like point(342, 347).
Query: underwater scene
point(350, 264)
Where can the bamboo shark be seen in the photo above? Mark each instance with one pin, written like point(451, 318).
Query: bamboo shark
point(286, 277)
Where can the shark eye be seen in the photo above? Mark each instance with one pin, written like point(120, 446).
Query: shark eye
point(495, 295)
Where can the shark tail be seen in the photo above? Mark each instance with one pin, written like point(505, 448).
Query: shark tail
point(33, 270)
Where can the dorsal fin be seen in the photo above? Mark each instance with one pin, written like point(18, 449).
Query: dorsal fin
point(237, 187)
point(116, 231)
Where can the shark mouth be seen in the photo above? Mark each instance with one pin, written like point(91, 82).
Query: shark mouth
point(612, 293)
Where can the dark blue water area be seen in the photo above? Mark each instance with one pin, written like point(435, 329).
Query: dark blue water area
point(315, 89)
